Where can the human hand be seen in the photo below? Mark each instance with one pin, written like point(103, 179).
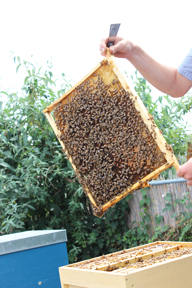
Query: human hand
point(185, 171)
point(121, 48)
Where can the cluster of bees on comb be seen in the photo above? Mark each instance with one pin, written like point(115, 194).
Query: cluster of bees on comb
point(125, 261)
point(118, 257)
point(154, 260)
point(106, 139)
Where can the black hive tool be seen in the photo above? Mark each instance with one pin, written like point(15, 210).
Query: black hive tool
point(114, 28)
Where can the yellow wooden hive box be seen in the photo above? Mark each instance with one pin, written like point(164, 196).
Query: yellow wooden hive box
point(109, 137)
point(155, 265)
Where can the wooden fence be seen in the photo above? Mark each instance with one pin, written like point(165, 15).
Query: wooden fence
point(157, 194)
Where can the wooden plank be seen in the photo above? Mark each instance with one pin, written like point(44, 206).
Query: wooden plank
point(90, 278)
point(175, 273)
point(117, 253)
point(116, 265)
point(181, 244)
point(152, 246)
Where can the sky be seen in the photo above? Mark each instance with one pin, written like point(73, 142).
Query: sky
point(69, 33)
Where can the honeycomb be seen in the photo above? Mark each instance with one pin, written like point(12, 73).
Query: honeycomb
point(107, 260)
point(126, 261)
point(106, 137)
point(154, 260)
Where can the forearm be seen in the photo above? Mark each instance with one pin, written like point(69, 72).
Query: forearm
point(166, 79)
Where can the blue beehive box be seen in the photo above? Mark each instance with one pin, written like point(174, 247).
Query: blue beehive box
point(31, 259)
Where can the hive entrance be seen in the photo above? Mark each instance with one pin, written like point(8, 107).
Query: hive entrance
point(108, 136)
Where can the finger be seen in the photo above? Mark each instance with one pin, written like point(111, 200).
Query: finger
point(114, 39)
point(180, 172)
point(104, 42)
point(189, 182)
point(116, 48)
point(187, 176)
point(103, 51)
point(103, 47)
point(118, 54)
point(185, 170)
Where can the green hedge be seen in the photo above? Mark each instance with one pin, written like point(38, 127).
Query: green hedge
point(38, 187)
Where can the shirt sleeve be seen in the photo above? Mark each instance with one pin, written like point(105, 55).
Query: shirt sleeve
point(185, 68)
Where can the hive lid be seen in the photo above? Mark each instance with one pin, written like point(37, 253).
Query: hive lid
point(30, 239)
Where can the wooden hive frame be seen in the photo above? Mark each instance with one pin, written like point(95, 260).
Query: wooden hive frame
point(173, 272)
point(108, 69)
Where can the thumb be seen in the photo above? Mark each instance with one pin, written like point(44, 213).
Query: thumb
point(115, 48)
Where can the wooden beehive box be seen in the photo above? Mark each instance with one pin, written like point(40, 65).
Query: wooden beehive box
point(155, 265)
point(108, 135)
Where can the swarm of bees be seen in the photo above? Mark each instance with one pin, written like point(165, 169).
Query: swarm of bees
point(106, 138)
